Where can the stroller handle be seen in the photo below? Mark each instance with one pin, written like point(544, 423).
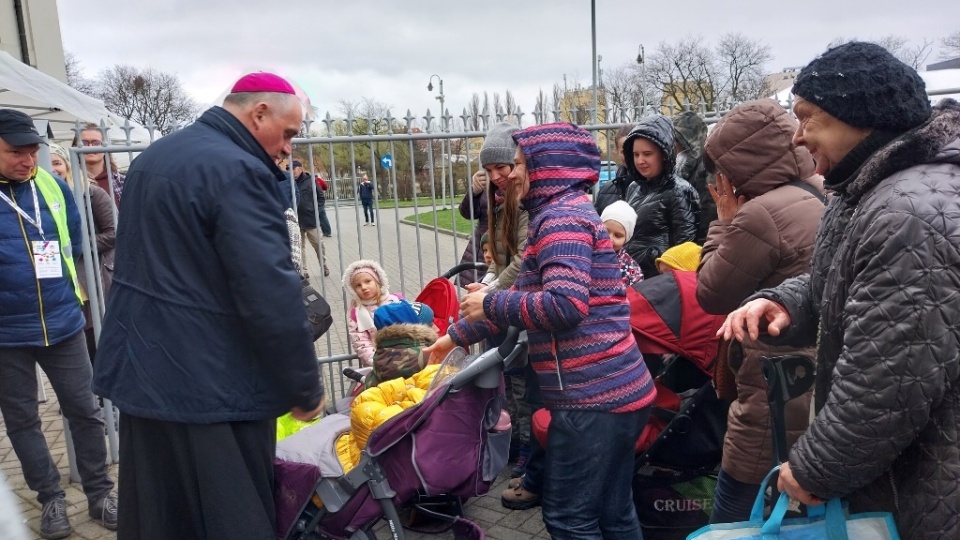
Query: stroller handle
point(493, 359)
point(479, 267)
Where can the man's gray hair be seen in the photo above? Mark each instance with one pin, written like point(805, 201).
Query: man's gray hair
point(275, 100)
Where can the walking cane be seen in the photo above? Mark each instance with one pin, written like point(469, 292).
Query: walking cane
point(787, 377)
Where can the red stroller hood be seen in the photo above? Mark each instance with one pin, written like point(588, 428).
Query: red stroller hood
point(441, 296)
point(666, 318)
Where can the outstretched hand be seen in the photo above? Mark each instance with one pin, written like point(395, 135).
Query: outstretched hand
point(748, 317)
point(440, 349)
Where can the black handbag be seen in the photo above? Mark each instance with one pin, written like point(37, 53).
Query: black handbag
point(318, 311)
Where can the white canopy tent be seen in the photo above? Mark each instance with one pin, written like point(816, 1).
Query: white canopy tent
point(45, 98)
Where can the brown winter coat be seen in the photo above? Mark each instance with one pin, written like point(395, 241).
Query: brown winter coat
point(769, 239)
point(104, 226)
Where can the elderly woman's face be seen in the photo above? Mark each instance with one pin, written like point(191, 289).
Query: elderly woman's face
point(828, 139)
point(519, 175)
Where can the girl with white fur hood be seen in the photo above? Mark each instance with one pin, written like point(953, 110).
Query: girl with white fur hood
point(367, 286)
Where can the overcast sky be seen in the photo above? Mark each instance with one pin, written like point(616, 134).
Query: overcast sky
point(387, 50)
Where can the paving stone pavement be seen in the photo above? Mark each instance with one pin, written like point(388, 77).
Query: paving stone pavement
point(388, 242)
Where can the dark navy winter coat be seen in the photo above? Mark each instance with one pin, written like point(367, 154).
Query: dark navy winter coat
point(205, 321)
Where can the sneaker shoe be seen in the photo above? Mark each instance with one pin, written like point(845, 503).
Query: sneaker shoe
point(105, 511)
point(54, 522)
point(519, 499)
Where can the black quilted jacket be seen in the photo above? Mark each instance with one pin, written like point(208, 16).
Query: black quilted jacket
point(885, 287)
point(668, 208)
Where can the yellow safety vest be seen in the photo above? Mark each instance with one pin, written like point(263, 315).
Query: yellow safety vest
point(57, 204)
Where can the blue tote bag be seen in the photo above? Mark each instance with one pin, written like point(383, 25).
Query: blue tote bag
point(828, 521)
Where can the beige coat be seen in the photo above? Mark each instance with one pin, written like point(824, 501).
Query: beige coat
point(769, 240)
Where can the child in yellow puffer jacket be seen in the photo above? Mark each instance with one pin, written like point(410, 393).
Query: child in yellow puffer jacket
point(376, 405)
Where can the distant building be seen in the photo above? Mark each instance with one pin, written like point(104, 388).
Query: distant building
point(953, 63)
point(575, 107)
point(777, 82)
point(30, 32)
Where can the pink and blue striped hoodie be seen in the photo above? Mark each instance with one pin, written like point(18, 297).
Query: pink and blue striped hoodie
point(569, 294)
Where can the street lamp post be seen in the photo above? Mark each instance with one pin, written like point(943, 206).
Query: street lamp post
point(643, 81)
point(443, 170)
point(594, 58)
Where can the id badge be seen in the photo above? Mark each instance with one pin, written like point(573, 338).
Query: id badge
point(46, 259)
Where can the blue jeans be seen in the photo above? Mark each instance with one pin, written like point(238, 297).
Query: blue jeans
point(589, 462)
point(324, 222)
point(367, 211)
point(733, 499)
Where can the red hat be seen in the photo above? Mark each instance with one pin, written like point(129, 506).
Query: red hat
point(263, 82)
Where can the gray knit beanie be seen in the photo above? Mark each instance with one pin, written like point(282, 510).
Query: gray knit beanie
point(499, 146)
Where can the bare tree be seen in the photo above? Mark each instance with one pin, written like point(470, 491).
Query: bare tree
point(541, 107)
point(950, 46)
point(487, 119)
point(744, 60)
point(624, 89)
point(555, 104)
point(497, 108)
point(510, 107)
point(369, 115)
point(474, 111)
point(685, 73)
point(913, 55)
point(146, 96)
point(75, 75)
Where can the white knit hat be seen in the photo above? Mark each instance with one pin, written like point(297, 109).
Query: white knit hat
point(622, 213)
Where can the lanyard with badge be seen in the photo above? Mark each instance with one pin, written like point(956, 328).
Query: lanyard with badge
point(46, 254)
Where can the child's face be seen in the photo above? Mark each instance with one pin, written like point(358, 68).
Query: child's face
point(618, 235)
point(487, 254)
point(366, 287)
point(663, 268)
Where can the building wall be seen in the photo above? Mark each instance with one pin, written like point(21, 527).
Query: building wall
point(776, 82)
point(42, 23)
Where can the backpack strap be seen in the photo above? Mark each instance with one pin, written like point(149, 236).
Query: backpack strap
point(809, 189)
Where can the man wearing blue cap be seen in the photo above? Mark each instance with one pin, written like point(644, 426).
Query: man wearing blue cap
point(41, 323)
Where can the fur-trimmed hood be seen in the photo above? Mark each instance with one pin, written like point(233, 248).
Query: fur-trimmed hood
point(420, 333)
point(935, 141)
point(365, 263)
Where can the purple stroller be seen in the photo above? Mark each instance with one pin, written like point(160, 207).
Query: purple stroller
point(445, 445)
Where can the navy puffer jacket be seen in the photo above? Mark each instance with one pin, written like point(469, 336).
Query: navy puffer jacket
point(35, 313)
